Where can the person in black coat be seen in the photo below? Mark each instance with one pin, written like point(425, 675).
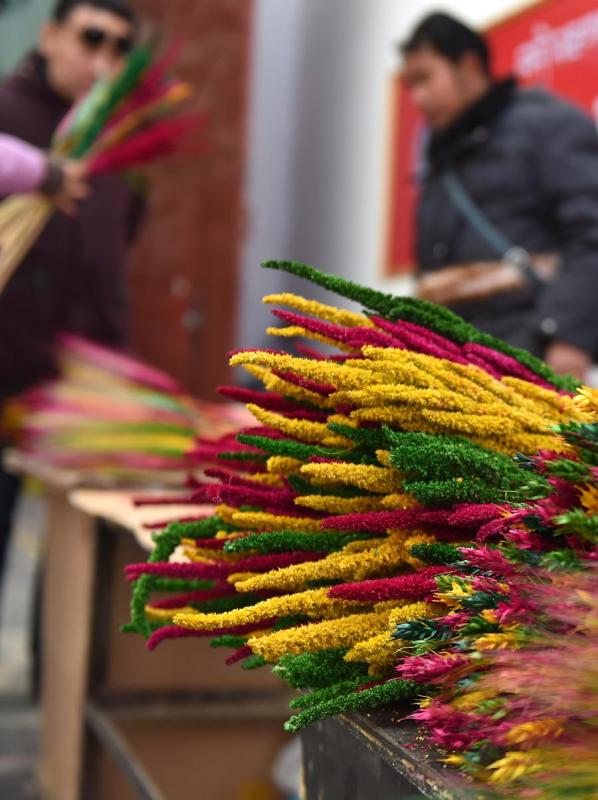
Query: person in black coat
point(523, 264)
point(73, 278)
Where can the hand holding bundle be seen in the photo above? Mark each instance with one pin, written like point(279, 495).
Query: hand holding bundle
point(123, 123)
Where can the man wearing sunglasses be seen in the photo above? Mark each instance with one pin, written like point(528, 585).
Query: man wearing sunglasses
point(73, 278)
point(85, 41)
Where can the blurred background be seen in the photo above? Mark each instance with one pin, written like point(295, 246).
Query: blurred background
point(298, 100)
point(300, 157)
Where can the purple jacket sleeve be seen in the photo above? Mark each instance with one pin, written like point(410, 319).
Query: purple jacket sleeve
point(22, 166)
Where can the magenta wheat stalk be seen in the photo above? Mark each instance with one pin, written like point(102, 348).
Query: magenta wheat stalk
point(478, 361)
point(306, 413)
point(400, 327)
point(198, 596)
point(467, 516)
point(355, 337)
point(504, 364)
point(246, 496)
point(268, 400)
point(174, 632)
point(430, 667)
point(413, 586)
point(220, 569)
point(487, 559)
point(421, 342)
point(239, 655)
point(305, 383)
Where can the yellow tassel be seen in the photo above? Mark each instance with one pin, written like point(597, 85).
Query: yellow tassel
point(303, 429)
point(226, 513)
point(381, 557)
point(273, 383)
point(349, 374)
point(257, 372)
point(417, 537)
point(552, 403)
point(317, 636)
point(265, 478)
point(471, 700)
point(165, 614)
point(586, 401)
point(383, 457)
point(313, 602)
point(237, 577)
point(227, 535)
point(392, 501)
point(514, 765)
point(296, 331)
point(283, 465)
point(496, 641)
point(390, 362)
point(527, 732)
point(363, 476)
point(339, 505)
point(262, 520)
point(203, 554)
point(383, 393)
point(414, 611)
point(380, 652)
point(589, 499)
point(339, 316)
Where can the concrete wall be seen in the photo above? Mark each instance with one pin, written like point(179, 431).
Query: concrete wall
point(318, 155)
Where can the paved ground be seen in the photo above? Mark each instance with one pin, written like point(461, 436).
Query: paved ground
point(19, 741)
point(19, 718)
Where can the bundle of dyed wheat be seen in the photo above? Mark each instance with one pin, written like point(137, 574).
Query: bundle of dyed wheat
point(123, 123)
point(334, 514)
point(509, 673)
point(108, 414)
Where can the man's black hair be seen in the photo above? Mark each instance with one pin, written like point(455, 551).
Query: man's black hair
point(449, 37)
point(119, 7)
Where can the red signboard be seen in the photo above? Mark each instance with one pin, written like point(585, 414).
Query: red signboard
point(552, 43)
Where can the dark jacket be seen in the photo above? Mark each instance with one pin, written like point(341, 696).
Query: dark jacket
point(530, 162)
point(73, 277)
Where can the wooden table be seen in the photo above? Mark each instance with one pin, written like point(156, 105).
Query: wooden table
point(119, 722)
point(122, 723)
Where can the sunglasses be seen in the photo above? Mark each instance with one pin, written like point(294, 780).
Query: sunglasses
point(95, 38)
